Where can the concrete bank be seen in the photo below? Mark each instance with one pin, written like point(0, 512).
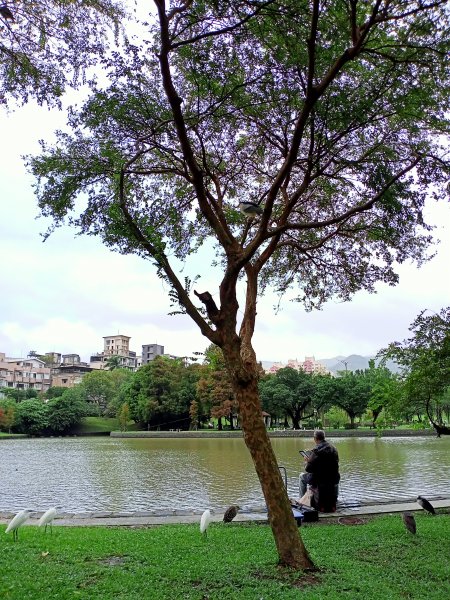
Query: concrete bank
point(290, 433)
point(148, 519)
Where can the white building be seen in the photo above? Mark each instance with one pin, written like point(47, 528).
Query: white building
point(24, 373)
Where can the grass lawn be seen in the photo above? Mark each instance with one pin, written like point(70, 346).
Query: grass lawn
point(91, 425)
point(376, 560)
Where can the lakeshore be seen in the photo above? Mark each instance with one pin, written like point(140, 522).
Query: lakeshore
point(155, 517)
point(281, 433)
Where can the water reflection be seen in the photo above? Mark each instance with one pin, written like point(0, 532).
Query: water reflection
point(122, 475)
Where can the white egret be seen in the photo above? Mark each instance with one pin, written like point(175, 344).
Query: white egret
point(205, 521)
point(17, 521)
point(47, 518)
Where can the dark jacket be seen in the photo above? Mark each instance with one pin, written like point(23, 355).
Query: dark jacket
point(323, 465)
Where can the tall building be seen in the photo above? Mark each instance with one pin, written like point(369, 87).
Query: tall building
point(150, 352)
point(115, 345)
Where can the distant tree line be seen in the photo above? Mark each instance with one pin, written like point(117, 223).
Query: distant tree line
point(169, 394)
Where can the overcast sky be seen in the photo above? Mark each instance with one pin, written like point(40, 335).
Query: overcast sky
point(64, 295)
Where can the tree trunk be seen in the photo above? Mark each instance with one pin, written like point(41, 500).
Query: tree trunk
point(291, 549)
point(375, 414)
point(219, 424)
point(295, 422)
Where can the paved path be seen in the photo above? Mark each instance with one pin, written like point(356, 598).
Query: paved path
point(140, 519)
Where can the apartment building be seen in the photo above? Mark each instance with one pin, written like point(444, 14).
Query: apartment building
point(24, 373)
point(70, 371)
point(115, 345)
point(309, 365)
point(150, 352)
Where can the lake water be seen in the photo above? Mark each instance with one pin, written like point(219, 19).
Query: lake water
point(122, 475)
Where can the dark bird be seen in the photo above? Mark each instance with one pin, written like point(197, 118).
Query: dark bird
point(6, 13)
point(250, 209)
point(426, 505)
point(230, 513)
point(409, 521)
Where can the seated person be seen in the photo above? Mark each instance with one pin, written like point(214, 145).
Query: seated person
point(322, 474)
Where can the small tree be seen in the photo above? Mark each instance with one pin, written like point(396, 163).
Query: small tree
point(66, 411)
point(194, 414)
point(297, 140)
point(113, 362)
point(124, 416)
point(31, 417)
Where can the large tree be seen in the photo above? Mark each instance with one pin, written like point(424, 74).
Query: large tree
point(327, 120)
point(425, 362)
point(159, 393)
point(100, 389)
point(214, 388)
point(290, 393)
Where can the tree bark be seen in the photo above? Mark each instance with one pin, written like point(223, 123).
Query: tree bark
point(291, 549)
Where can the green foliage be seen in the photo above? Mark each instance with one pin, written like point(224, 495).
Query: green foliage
point(159, 394)
point(55, 391)
point(113, 362)
point(7, 414)
point(374, 560)
point(32, 417)
point(66, 411)
point(50, 45)
point(19, 394)
point(290, 393)
point(101, 390)
point(215, 392)
point(123, 416)
point(351, 392)
point(425, 358)
point(336, 417)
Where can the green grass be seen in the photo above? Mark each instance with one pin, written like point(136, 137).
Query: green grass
point(96, 425)
point(377, 560)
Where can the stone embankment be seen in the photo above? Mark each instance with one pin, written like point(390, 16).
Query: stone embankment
point(151, 518)
point(291, 433)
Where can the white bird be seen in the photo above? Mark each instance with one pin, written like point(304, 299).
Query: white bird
point(205, 521)
point(17, 521)
point(250, 208)
point(47, 518)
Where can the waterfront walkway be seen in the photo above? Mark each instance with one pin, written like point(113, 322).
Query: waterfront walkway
point(151, 518)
